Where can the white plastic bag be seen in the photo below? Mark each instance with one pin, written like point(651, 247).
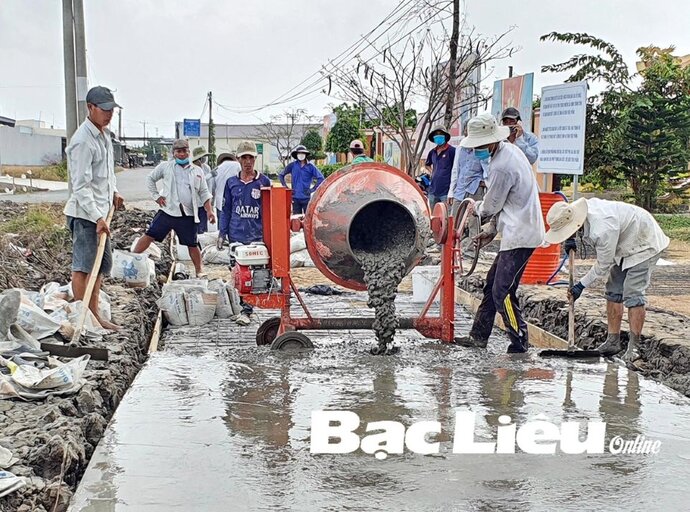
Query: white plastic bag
point(174, 307)
point(224, 306)
point(201, 307)
point(132, 268)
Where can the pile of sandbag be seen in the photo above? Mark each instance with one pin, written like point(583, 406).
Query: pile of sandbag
point(299, 255)
point(197, 301)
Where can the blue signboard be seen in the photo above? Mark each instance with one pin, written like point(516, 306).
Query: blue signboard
point(192, 128)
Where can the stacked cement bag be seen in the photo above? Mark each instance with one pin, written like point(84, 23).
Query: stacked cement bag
point(299, 255)
point(196, 301)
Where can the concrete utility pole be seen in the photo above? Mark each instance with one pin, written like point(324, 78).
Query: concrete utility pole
point(452, 65)
point(119, 124)
point(70, 74)
point(80, 54)
point(211, 132)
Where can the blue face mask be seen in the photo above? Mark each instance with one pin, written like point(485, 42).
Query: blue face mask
point(482, 154)
point(182, 162)
point(439, 140)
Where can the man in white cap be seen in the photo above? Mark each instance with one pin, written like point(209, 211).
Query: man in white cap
point(628, 242)
point(357, 150)
point(512, 200)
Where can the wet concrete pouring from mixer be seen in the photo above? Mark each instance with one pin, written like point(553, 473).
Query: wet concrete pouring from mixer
point(381, 248)
point(215, 423)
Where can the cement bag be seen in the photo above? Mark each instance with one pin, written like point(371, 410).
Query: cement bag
point(234, 297)
point(91, 326)
point(211, 254)
point(61, 376)
point(153, 250)
point(186, 285)
point(173, 306)
point(152, 270)
point(132, 268)
point(297, 242)
point(301, 259)
point(207, 240)
point(182, 252)
point(35, 321)
point(201, 307)
point(224, 306)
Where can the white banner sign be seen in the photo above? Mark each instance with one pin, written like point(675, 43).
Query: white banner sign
point(562, 128)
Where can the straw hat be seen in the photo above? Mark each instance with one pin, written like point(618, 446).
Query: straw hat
point(483, 130)
point(564, 219)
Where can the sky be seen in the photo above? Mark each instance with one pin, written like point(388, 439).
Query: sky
point(163, 56)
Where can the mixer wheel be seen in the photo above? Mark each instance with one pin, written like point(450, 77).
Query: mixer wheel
point(268, 331)
point(291, 340)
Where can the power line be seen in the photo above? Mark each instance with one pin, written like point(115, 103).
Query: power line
point(402, 11)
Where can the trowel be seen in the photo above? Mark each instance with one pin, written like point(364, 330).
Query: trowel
point(573, 351)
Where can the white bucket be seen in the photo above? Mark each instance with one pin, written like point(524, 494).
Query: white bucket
point(423, 281)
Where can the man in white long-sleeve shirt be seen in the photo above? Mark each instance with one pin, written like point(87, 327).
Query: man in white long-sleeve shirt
point(228, 167)
point(183, 191)
point(628, 243)
point(92, 191)
point(512, 198)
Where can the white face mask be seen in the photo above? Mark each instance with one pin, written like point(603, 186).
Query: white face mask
point(301, 156)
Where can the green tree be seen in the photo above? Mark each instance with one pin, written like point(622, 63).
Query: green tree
point(640, 135)
point(314, 143)
point(345, 130)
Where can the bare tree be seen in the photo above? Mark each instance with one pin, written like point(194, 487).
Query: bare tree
point(285, 131)
point(413, 72)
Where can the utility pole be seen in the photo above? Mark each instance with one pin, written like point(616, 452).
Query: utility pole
point(80, 54)
point(119, 124)
point(452, 65)
point(211, 133)
point(144, 123)
point(70, 73)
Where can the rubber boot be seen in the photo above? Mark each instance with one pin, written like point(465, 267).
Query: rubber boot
point(469, 341)
point(611, 346)
point(633, 351)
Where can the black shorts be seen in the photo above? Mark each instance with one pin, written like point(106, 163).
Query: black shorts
point(184, 228)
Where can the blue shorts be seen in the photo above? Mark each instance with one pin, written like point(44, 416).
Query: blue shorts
point(85, 246)
point(184, 227)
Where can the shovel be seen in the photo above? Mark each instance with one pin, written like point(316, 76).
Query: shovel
point(573, 351)
point(102, 239)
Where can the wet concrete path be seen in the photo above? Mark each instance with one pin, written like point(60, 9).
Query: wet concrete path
point(215, 423)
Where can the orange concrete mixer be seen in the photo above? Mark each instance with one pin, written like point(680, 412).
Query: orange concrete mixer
point(347, 213)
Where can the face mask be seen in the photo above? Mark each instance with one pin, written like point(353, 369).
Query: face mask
point(301, 156)
point(179, 161)
point(482, 154)
point(439, 140)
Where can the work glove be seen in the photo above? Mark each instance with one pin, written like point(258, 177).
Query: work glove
point(570, 245)
point(484, 237)
point(576, 291)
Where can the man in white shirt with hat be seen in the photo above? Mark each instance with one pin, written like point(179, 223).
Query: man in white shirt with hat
point(628, 242)
point(512, 200)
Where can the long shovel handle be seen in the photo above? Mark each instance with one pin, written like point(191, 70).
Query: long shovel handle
point(571, 302)
point(102, 239)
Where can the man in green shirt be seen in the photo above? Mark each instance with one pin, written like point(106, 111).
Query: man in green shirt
point(357, 150)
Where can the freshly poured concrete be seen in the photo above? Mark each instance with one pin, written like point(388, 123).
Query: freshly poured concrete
point(215, 424)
